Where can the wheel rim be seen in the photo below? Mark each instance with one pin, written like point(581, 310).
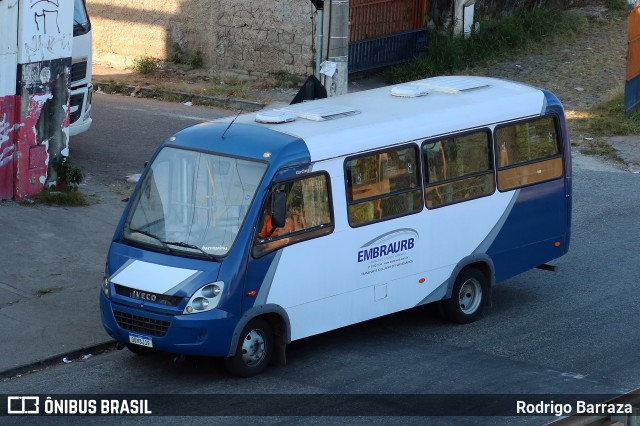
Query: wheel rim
point(470, 296)
point(254, 348)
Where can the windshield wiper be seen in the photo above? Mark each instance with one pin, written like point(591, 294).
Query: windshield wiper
point(80, 28)
point(191, 246)
point(155, 237)
point(166, 244)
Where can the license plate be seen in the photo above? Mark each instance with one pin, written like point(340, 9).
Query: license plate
point(139, 339)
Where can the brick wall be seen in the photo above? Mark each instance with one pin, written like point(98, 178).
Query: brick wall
point(243, 36)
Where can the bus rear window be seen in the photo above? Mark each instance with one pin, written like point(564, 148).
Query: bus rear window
point(527, 153)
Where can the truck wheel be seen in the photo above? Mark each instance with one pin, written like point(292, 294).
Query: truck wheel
point(254, 350)
point(467, 297)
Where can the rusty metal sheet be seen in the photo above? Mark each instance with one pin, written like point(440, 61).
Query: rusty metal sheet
point(632, 85)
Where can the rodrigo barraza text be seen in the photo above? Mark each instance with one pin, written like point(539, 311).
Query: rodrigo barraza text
point(566, 409)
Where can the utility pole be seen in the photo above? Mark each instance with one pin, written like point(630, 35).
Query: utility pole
point(336, 46)
point(319, 26)
point(463, 17)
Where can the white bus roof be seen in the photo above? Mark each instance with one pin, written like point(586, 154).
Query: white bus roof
point(375, 118)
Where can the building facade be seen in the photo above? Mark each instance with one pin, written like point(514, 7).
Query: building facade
point(240, 36)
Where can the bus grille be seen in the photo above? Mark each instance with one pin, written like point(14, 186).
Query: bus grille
point(76, 100)
point(142, 325)
point(78, 71)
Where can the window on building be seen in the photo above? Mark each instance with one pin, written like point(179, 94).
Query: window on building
point(383, 185)
point(527, 153)
point(458, 168)
point(308, 214)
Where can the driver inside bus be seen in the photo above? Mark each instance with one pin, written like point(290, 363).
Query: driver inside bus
point(268, 230)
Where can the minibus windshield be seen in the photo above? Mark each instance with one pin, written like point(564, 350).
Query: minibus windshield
point(192, 203)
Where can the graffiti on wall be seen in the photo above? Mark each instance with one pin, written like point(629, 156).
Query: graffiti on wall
point(46, 12)
point(44, 119)
point(47, 29)
point(7, 147)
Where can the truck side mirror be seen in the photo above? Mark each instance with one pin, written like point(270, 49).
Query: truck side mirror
point(278, 209)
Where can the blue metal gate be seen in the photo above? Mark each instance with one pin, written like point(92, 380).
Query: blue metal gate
point(385, 32)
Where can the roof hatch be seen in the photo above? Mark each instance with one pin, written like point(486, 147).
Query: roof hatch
point(274, 117)
point(315, 111)
point(409, 91)
point(452, 85)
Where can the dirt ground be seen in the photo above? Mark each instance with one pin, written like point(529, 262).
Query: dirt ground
point(582, 73)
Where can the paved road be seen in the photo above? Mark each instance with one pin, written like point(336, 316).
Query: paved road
point(569, 332)
point(126, 132)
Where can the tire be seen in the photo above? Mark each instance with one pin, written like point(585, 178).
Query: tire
point(140, 350)
point(467, 297)
point(254, 350)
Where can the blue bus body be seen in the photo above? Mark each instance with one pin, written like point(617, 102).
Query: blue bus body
point(391, 202)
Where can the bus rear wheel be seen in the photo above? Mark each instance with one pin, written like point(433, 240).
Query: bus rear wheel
point(467, 297)
point(254, 350)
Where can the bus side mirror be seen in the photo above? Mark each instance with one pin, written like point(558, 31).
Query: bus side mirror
point(278, 209)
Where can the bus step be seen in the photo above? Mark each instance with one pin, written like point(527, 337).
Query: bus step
point(547, 267)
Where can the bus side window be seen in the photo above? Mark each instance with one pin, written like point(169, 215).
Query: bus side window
point(459, 168)
point(308, 214)
point(528, 153)
point(383, 185)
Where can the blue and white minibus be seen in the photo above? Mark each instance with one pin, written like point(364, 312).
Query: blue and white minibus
point(248, 233)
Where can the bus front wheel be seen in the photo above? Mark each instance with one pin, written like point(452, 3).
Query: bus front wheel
point(467, 297)
point(254, 350)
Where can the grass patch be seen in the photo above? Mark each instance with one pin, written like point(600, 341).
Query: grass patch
point(192, 59)
point(151, 92)
point(231, 87)
point(279, 79)
point(71, 197)
point(617, 4)
point(122, 189)
point(446, 54)
point(601, 149)
point(146, 64)
point(114, 87)
point(608, 119)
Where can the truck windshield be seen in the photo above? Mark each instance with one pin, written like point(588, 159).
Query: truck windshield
point(192, 203)
point(80, 19)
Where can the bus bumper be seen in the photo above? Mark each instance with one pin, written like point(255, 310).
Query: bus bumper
point(203, 334)
point(80, 109)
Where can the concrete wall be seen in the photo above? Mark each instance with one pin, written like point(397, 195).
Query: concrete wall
point(243, 36)
point(8, 61)
point(35, 58)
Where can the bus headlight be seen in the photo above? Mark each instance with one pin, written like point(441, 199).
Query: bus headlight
point(205, 299)
point(106, 288)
